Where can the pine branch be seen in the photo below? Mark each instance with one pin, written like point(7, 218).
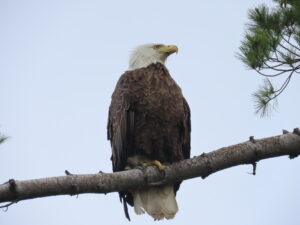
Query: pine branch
point(271, 45)
point(267, 93)
point(3, 139)
point(249, 152)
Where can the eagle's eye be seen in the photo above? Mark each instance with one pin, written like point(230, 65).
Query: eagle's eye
point(157, 46)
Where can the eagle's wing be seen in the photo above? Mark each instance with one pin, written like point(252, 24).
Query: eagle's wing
point(121, 123)
point(120, 131)
point(185, 135)
point(186, 144)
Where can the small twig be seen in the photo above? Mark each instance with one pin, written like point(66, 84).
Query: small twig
point(289, 50)
point(281, 89)
point(285, 83)
point(254, 168)
point(251, 138)
point(12, 185)
point(73, 187)
point(293, 156)
point(68, 173)
point(3, 138)
point(254, 165)
point(276, 69)
point(296, 131)
point(269, 75)
point(7, 205)
point(288, 41)
point(285, 131)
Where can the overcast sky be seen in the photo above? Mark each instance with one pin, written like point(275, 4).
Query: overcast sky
point(59, 63)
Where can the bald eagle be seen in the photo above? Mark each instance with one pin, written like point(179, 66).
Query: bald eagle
point(149, 124)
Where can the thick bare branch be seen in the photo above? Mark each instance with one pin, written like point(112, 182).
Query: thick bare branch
point(248, 152)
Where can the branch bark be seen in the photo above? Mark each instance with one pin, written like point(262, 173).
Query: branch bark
point(248, 152)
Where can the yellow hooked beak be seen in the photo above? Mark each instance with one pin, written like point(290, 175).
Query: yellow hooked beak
point(168, 49)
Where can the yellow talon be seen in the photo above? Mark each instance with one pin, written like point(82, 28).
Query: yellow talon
point(155, 163)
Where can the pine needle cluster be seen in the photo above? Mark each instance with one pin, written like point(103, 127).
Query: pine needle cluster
point(271, 46)
point(2, 138)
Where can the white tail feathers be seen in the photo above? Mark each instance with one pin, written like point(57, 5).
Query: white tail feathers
point(159, 202)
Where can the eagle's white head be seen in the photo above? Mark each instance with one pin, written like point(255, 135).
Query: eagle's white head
point(144, 55)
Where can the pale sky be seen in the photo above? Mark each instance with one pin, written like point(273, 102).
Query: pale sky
point(59, 63)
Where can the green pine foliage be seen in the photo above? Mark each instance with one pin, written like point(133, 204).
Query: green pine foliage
point(271, 47)
point(263, 96)
point(3, 138)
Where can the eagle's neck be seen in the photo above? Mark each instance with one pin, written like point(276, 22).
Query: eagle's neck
point(137, 62)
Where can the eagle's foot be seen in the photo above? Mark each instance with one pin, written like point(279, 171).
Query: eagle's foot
point(155, 163)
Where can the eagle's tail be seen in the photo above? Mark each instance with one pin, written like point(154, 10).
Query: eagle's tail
point(159, 202)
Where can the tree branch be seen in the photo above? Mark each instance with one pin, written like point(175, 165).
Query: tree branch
point(248, 152)
point(289, 50)
point(269, 75)
point(291, 44)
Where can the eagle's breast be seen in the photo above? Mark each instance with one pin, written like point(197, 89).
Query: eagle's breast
point(157, 103)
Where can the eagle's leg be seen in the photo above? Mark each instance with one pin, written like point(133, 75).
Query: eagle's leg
point(154, 163)
point(134, 163)
point(131, 163)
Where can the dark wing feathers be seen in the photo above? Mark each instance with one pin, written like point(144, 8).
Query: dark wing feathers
point(186, 136)
point(186, 146)
point(120, 130)
point(120, 127)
